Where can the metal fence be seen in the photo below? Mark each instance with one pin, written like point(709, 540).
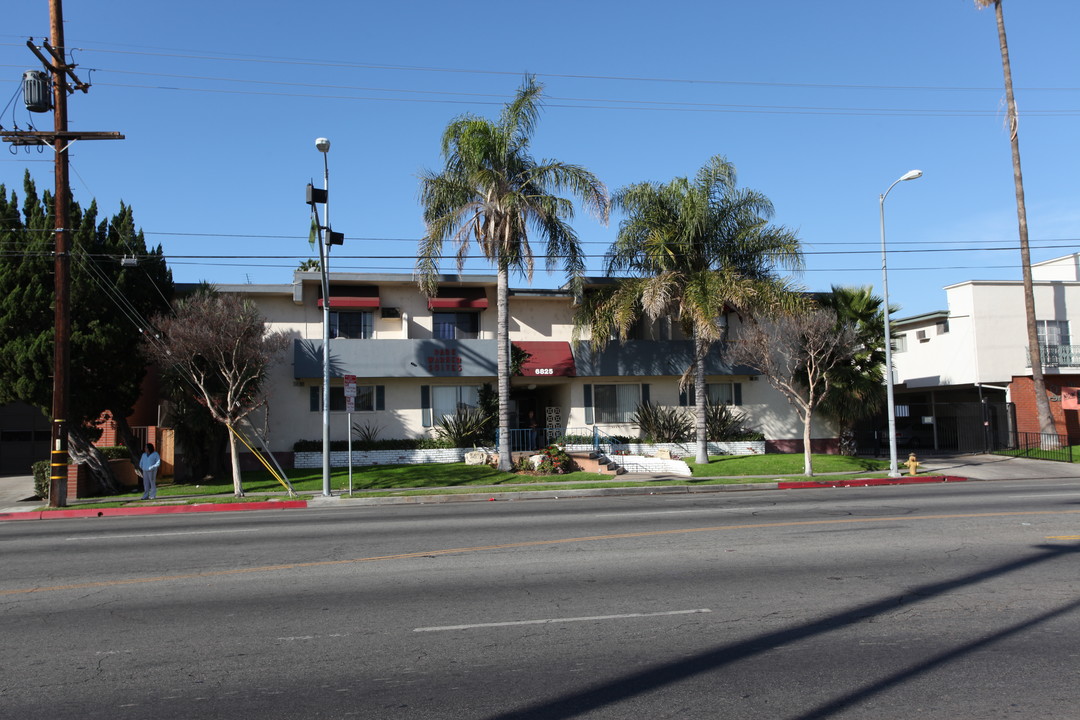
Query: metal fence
point(1040, 446)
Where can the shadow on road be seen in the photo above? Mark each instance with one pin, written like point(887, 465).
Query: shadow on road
point(640, 683)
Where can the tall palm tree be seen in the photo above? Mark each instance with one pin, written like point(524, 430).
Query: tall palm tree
point(692, 249)
point(857, 387)
point(1042, 403)
point(492, 191)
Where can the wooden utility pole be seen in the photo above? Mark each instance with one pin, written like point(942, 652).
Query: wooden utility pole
point(54, 58)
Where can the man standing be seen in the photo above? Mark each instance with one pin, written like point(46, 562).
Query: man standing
point(149, 464)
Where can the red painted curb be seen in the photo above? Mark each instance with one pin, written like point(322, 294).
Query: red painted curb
point(154, 510)
point(865, 482)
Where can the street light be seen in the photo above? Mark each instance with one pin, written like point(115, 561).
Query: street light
point(323, 146)
point(890, 402)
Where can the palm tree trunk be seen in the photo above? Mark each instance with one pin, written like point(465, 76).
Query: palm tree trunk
point(1042, 403)
point(502, 335)
point(701, 348)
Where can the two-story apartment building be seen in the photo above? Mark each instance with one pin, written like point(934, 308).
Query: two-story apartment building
point(416, 359)
point(956, 369)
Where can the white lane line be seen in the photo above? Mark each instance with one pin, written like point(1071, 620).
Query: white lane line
point(549, 621)
point(1072, 494)
point(164, 534)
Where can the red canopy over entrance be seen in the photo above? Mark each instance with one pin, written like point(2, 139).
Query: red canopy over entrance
point(548, 358)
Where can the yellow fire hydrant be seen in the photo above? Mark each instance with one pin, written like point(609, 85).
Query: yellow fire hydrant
point(912, 464)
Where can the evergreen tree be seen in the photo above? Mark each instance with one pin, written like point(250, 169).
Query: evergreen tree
point(109, 301)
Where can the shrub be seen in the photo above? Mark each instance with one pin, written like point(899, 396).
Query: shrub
point(419, 443)
point(575, 440)
point(41, 470)
point(366, 433)
point(661, 424)
point(722, 423)
point(115, 452)
point(465, 428)
point(555, 461)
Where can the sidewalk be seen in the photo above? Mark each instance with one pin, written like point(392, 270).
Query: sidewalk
point(16, 492)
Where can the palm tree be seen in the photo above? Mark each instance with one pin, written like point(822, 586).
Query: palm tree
point(1042, 403)
point(492, 191)
point(857, 387)
point(694, 250)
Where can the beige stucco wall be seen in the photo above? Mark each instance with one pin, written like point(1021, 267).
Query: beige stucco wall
point(296, 312)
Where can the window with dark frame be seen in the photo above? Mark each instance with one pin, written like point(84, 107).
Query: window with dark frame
point(450, 325)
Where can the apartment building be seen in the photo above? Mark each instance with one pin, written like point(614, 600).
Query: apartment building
point(963, 374)
point(416, 359)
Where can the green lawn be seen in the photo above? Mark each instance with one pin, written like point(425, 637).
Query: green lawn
point(776, 465)
point(453, 478)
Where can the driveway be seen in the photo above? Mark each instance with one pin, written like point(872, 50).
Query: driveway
point(998, 467)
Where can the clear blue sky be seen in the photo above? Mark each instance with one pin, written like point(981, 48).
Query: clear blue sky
point(820, 105)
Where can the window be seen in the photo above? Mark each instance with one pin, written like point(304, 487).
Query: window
point(438, 401)
point(942, 327)
point(899, 343)
point(455, 325)
point(616, 403)
point(368, 398)
point(1053, 332)
point(352, 325)
point(718, 394)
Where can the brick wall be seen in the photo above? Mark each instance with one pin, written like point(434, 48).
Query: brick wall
point(1022, 394)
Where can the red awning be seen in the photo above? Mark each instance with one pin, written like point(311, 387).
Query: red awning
point(459, 299)
point(547, 358)
point(352, 302)
point(352, 296)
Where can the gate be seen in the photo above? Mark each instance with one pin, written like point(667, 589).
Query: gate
point(944, 427)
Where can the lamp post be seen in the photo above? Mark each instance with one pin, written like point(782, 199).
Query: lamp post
point(323, 146)
point(890, 402)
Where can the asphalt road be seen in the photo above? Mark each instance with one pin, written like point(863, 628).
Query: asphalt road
point(956, 601)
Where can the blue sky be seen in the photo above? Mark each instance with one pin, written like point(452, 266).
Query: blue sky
point(819, 105)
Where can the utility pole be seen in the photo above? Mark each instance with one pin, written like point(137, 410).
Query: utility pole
point(54, 58)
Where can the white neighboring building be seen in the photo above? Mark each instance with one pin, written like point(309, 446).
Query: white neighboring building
point(954, 368)
point(416, 358)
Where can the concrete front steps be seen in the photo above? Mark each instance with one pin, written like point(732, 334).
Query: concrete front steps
point(593, 462)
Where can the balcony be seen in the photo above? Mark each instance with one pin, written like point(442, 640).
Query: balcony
point(1056, 356)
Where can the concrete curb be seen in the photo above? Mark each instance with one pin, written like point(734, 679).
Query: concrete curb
point(339, 501)
point(866, 482)
point(152, 510)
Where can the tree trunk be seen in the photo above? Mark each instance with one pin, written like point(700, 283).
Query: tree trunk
point(1042, 403)
point(701, 395)
point(502, 335)
point(808, 466)
point(83, 451)
point(234, 454)
point(134, 446)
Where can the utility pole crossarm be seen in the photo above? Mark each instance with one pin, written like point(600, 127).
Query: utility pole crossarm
point(48, 137)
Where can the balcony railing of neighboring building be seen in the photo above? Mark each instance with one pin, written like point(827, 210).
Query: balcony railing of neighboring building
point(1057, 355)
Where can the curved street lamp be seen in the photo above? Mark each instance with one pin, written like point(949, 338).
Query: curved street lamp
point(890, 402)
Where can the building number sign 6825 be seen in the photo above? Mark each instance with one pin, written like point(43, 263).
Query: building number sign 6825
point(544, 371)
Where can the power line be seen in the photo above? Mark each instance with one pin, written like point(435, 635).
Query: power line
point(243, 58)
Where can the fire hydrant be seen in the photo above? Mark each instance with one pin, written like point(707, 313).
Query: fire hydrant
point(912, 464)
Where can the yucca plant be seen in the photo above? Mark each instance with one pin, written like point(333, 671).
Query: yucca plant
point(660, 424)
point(467, 427)
point(366, 433)
point(722, 423)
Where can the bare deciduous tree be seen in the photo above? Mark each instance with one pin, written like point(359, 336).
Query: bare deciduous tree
point(221, 345)
point(796, 352)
